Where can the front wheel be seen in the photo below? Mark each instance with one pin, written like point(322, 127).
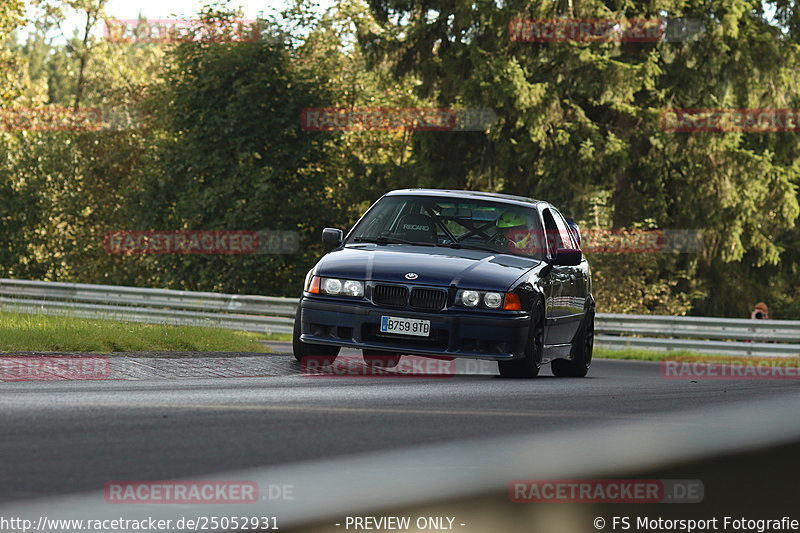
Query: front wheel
point(322, 354)
point(581, 352)
point(528, 366)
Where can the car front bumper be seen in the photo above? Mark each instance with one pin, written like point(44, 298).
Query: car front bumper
point(453, 333)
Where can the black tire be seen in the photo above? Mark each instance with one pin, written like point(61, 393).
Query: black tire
point(380, 359)
point(528, 367)
point(582, 348)
point(323, 354)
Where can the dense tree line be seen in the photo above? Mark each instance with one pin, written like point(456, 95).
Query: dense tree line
point(207, 135)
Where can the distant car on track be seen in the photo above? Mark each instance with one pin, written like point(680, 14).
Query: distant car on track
point(453, 274)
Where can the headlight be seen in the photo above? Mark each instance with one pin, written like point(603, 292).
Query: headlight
point(342, 287)
point(331, 286)
point(353, 288)
point(470, 298)
point(492, 300)
point(508, 301)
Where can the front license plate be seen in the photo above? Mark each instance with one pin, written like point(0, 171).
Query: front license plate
point(405, 326)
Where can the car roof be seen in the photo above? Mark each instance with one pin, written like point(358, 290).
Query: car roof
point(448, 193)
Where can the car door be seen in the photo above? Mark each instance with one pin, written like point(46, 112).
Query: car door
point(573, 290)
point(554, 284)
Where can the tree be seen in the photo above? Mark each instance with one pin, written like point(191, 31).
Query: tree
point(80, 46)
point(232, 156)
point(65, 189)
point(11, 12)
point(579, 120)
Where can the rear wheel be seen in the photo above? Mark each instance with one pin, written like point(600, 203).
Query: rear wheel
point(528, 367)
point(380, 359)
point(320, 353)
point(581, 352)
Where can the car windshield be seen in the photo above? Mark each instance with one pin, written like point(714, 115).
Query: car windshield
point(495, 227)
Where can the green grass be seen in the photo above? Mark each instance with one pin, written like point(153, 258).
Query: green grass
point(44, 333)
point(286, 337)
point(682, 355)
point(646, 355)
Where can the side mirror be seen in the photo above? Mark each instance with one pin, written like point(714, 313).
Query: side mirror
point(567, 257)
point(332, 237)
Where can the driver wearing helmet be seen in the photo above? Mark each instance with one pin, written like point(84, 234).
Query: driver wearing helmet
point(512, 231)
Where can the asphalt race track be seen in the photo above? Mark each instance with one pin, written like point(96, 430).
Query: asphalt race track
point(62, 437)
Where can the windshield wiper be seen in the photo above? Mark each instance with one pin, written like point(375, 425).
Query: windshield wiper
point(390, 240)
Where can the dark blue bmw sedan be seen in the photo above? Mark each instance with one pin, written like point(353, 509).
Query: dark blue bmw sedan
point(453, 274)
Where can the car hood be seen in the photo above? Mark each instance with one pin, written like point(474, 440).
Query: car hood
point(472, 269)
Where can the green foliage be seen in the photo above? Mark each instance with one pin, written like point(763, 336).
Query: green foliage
point(11, 228)
point(218, 145)
point(231, 155)
point(11, 12)
point(581, 120)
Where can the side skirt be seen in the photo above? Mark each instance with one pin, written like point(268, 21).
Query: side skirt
point(556, 351)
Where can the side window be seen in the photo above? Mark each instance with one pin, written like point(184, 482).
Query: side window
point(575, 231)
point(563, 230)
point(552, 233)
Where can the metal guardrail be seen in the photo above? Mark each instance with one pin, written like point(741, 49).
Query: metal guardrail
point(726, 336)
point(264, 314)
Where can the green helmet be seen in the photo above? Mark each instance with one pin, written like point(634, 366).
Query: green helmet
point(510, 219)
